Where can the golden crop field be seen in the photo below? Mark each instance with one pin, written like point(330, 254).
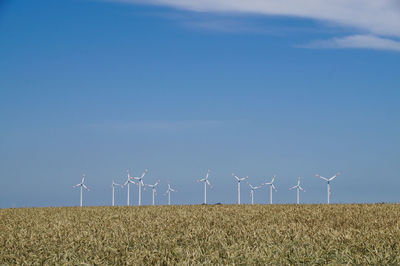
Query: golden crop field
point(216, 234)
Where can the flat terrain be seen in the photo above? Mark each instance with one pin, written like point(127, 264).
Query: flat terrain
point(225, 234)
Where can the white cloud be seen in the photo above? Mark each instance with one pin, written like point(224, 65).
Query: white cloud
point(357, 41)
point(378, 17)
point(376, 21)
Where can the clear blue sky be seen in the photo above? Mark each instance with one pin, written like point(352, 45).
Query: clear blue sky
point(100, 86)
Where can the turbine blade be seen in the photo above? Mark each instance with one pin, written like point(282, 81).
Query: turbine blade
point(236, 177)
point(292, 187)
point(144, 173)
point(323, 178)
point(85, 187)
point(333, 177)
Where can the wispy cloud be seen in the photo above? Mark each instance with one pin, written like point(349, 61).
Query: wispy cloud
point(368, 18)
point(356, 41)
point(156, 126)
point(378, 17)
point(224, 25)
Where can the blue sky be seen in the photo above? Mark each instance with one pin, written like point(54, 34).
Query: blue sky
point(182, 86)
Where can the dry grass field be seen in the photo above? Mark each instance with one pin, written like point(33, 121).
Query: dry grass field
point(219, 234)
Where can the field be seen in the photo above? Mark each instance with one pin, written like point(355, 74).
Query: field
point(219, 234)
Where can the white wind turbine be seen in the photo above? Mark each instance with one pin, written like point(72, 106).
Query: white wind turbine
point(113, 187)
point(271, 186)
point(169, 190)
point(252, 189)
point(328, 186)
point(128, 181)
point(153, 188)
point(298, 187)
point(206, 182)
point(140, 184)
point(238, 179)
point(81, 185)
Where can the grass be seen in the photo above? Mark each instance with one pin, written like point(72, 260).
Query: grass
point(220, 234)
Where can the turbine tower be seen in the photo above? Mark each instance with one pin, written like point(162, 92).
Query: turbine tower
point(252, 189)
point(113, 187)
point(271, 186)
point(81, 185)
point(153, 188)
point(128, 181)
point(140, 184)
point(238, 179)
point(169, 190)
point(298, 187)
point(206, 182)
point(328, 185)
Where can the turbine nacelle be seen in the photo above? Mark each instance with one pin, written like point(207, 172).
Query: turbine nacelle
point(298, 186)
point(239, 179)
point(116, 184)
point(152, 186)
point(328, 179)
point(129, 179)
point(140, 178)
point(206, 179)
point(254, 188)
point(81, 184)
point(271, 183)
point(170, 189)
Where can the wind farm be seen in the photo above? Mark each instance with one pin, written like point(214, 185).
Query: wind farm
point(270, 189)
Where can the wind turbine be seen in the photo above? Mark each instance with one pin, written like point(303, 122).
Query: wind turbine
point(298, 187)
point(206, 182)
point(140, 184)
point(271, 186)
point(153, 188)
point(252, 189)
point(81, 185)
point(113, 187)
point(238, 179)
point(128, 181)
point(169, 190)
point(328, 186)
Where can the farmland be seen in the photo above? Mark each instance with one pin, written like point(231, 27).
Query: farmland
point(224, 234)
